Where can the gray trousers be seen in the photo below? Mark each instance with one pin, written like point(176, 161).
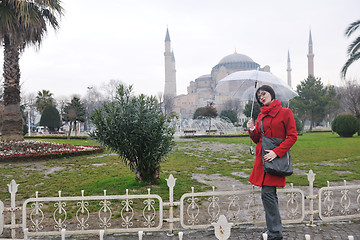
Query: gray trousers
point(272, 214)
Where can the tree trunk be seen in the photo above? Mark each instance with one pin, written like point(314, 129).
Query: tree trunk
point(138, 176)
point(75, 128)
point(311, 125)
point(69, 134)
point(311, 122)
point(156, 175)
point(12, 128)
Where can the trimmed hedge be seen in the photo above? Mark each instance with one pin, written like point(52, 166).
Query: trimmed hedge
point(346, 125)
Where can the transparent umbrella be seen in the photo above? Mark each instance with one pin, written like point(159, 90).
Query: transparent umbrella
point(243, 84)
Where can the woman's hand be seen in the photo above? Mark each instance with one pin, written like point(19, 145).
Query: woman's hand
point(271, 155)
point(250, 124)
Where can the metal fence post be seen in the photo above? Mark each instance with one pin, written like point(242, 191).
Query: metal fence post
point(26, 230)
point(222, 228)
point(265, 236)
point(140, 234)
point(101, 234)
point(1, 217)
point(171, 183)
point(13, 187)
point(311, 179)
point(63, 232)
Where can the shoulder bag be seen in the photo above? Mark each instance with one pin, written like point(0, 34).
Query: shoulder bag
point(279, 166)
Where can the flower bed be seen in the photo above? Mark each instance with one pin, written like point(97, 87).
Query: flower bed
point(25, 150)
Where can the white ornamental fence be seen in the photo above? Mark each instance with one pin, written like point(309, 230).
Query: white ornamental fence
point(106, 214)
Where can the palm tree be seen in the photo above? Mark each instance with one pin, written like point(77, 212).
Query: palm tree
point(44, 99)
point(353, 49)
point(22, 23)
point(73, 112)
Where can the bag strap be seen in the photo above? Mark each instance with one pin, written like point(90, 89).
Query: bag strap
point(262, 127)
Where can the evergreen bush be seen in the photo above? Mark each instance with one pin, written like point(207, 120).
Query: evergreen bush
point(50, 118)
point(135, 128)
point(229, 115)
point(299, 124)
point(346, 125)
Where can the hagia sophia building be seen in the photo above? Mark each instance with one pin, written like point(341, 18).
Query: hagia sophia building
point(203, 89)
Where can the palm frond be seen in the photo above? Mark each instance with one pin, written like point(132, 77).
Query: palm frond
point(352, 28)
point(354, 47)
point(350, 61)
point(7, 18)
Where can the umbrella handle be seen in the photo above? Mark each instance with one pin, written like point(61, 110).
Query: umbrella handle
point(251, 150)
point(251, 116)
point(252, 109)
point(253, 100)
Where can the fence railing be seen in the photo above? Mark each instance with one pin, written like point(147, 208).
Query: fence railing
point(61, 215)
point(198, 210)
point(339, 202)
point(105, 207)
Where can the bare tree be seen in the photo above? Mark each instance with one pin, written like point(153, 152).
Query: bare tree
point(28, 101)
point(168, 104)
point(60, 103)
point(350, 98)
point(235, 105)
point(160, 96)
point(93, 100)
point(110, 88)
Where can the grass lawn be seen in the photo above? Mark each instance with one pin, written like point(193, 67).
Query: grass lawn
point(331, 157)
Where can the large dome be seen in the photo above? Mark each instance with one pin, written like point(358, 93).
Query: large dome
point(236, 62)
point(235, 58)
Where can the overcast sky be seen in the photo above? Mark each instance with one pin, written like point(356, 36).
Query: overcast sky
point(124, 40)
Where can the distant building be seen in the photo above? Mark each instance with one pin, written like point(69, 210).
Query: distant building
point(310, 57)
point(288, 70)
point(170, 71)
point(203, 89)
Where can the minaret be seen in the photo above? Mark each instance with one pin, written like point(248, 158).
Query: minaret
point(288, 70)
point(170, 72)
point(173, 73)
point(310, 57)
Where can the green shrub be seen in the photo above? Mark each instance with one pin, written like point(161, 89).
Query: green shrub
point(299, 124)
point(50, 118)
point(346, 125)
point(135, 128)
point(244, 125)
point(209, 111)
point(229, 115)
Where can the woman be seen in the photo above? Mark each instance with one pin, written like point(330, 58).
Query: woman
point(277, 122)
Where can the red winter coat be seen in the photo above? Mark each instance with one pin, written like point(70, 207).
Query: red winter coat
point(277, 122)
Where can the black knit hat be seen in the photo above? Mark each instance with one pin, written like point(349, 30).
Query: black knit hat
point(265, 88)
